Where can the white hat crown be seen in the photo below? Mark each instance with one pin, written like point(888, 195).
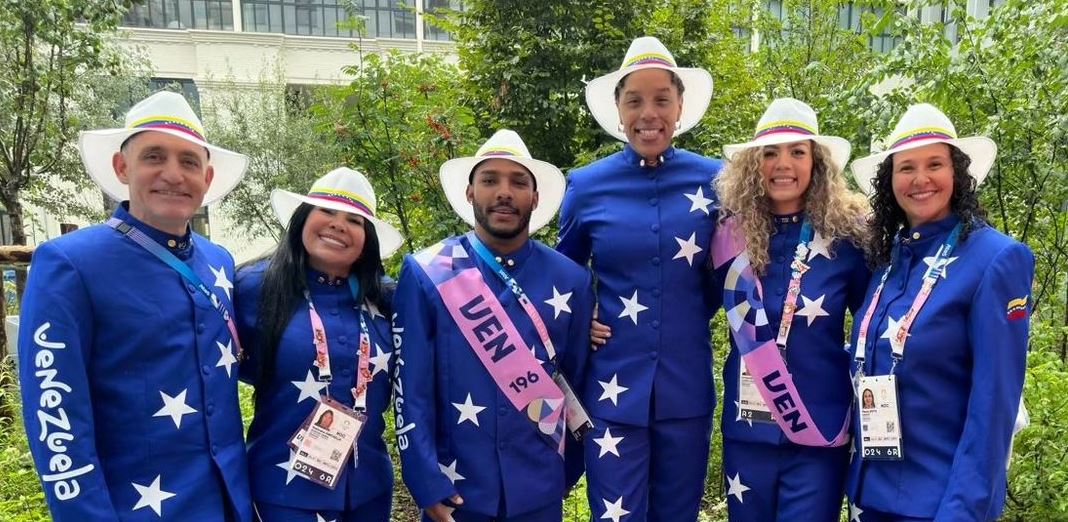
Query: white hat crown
point(919, 123)
point(165, 110)
point(504, 143)
point(348, 187)
point(787, 116)
point(645, 51)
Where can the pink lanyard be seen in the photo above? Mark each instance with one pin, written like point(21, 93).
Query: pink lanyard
point(322, 352)
point(799, 268)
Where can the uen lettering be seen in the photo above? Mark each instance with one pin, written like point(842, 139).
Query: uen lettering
point(52, 415)
point(402, 427)
point(784, 402)
point(488, 332)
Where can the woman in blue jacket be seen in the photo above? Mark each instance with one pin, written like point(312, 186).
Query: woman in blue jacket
point(941, 340)
point(787, 255)
point(314, 318)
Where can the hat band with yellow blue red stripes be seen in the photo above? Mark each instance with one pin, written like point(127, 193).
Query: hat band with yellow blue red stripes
point(927, 133)
point(784, 127)
point(499, 151)
point(345, 198)
point(648, 59)
point(170, 123)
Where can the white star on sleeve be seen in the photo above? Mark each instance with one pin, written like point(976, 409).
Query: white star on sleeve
point(221, 281)
point(226, 356)
point(736, 488)
point(631, 307)
point(854, 512)
point(287, 465)
point(152, 496)
point(819, 246)
point(310, 388)
point(174, 407)
point(698, 201)
point(450, 471)
point(614, 510)
point(559, 302)
point(608, 443)
point(468, 411)
point(612, 389)
point(812, 309)
point(380, 361)
point(943, 265)
point(687, 248)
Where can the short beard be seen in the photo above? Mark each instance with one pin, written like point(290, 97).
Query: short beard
point(482, 218)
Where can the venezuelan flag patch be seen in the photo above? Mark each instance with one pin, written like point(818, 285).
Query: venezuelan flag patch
point(1017, 308)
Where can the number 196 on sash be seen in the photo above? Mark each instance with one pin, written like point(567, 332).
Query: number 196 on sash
point(521, 382)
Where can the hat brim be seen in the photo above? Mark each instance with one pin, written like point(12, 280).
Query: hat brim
point(97, 147)
point(454, 175)
point(980, 149)
point(601, 100)
point(285, 203)
point(840, 148)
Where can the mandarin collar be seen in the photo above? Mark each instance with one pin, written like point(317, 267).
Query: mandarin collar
point(633, 158)
point(515, 260)
point(928, 231)
point(181, 246)
point(785, 220)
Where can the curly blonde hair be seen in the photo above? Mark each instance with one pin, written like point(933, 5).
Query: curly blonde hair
point(833, 210)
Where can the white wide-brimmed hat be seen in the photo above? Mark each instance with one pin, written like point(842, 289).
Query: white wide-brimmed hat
point(788, 120)
point(345, 190)
point(166, 112)
point(924, 124)
point(647, 52)
point(504, 144)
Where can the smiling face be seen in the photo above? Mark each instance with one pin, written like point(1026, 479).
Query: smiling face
point(922, 180)
point(786, 170)
point(649, 106)
point(333, 239)
point(168, 177)
point(503, 196)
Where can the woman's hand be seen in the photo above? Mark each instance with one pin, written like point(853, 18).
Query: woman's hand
point(441, 513)
point(599, 332)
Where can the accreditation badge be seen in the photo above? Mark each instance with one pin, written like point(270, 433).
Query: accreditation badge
point(880, 418)
point(578, 419)
point(751, 405)
point(326, 441)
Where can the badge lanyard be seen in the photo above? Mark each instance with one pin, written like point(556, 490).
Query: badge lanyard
point(930, 277)
point(322, 348)
point(798, 268)
point(513, 285)
point(183, 269)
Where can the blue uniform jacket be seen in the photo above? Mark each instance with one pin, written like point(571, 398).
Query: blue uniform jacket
point(129, 380)
point(282, 406)
point(647, 232)
point(456, 431)
point(960, 380)
point(814, 352)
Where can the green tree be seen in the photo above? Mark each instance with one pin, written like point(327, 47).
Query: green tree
point(48, 47)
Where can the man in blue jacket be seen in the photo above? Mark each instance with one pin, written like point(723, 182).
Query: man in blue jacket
point(128, 380)
point(487, 326)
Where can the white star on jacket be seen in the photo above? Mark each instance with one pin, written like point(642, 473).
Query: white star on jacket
point(631, 307)
point(310, 388)
point(698, 201)
point(854, 512)
point(819, 246)
point(943, 264)
point(221, 281)
point(288, 466)
point(450, 471)
point(608, 443)
point(687, 248)
point(174, 407)
point(738, 414)
point(151, 496)
point(226, 356)
point(559, 302)
point(736, 488)
point(319, 518)
point(612, 389)
point(614, 510)
point(468, 411)
point(892, 326)
point(812, 309)
point(380, 361)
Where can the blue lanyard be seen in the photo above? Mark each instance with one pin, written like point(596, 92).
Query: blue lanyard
point(183, 269)
point(513, 285)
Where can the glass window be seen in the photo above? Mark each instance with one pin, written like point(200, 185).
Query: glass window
point(182, 14)
point(439, 7)
point(304, 17)
point(200, 222)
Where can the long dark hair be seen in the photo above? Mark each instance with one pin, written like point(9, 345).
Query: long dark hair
point(284, 283)
point(888, 217)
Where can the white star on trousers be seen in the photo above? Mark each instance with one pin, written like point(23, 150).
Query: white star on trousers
point(736, 488)
point(614, 510)
point(608, 443)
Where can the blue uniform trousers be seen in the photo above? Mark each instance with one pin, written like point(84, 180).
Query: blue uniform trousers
point(658, 470)
point(375, 510)
point(871, 515)
point(767, 482)
point(550, 513)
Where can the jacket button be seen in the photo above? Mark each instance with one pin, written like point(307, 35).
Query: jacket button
point(656, 292)
point(210, 409)
point(502, 411)
point(655, 261)
point(205, 369)
point(656, 323)
point(200, 328)
point(655, 227)
point(778, 291)
point(653, 355)
point(654, 201)
point(214, 449)
point(342, 339)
